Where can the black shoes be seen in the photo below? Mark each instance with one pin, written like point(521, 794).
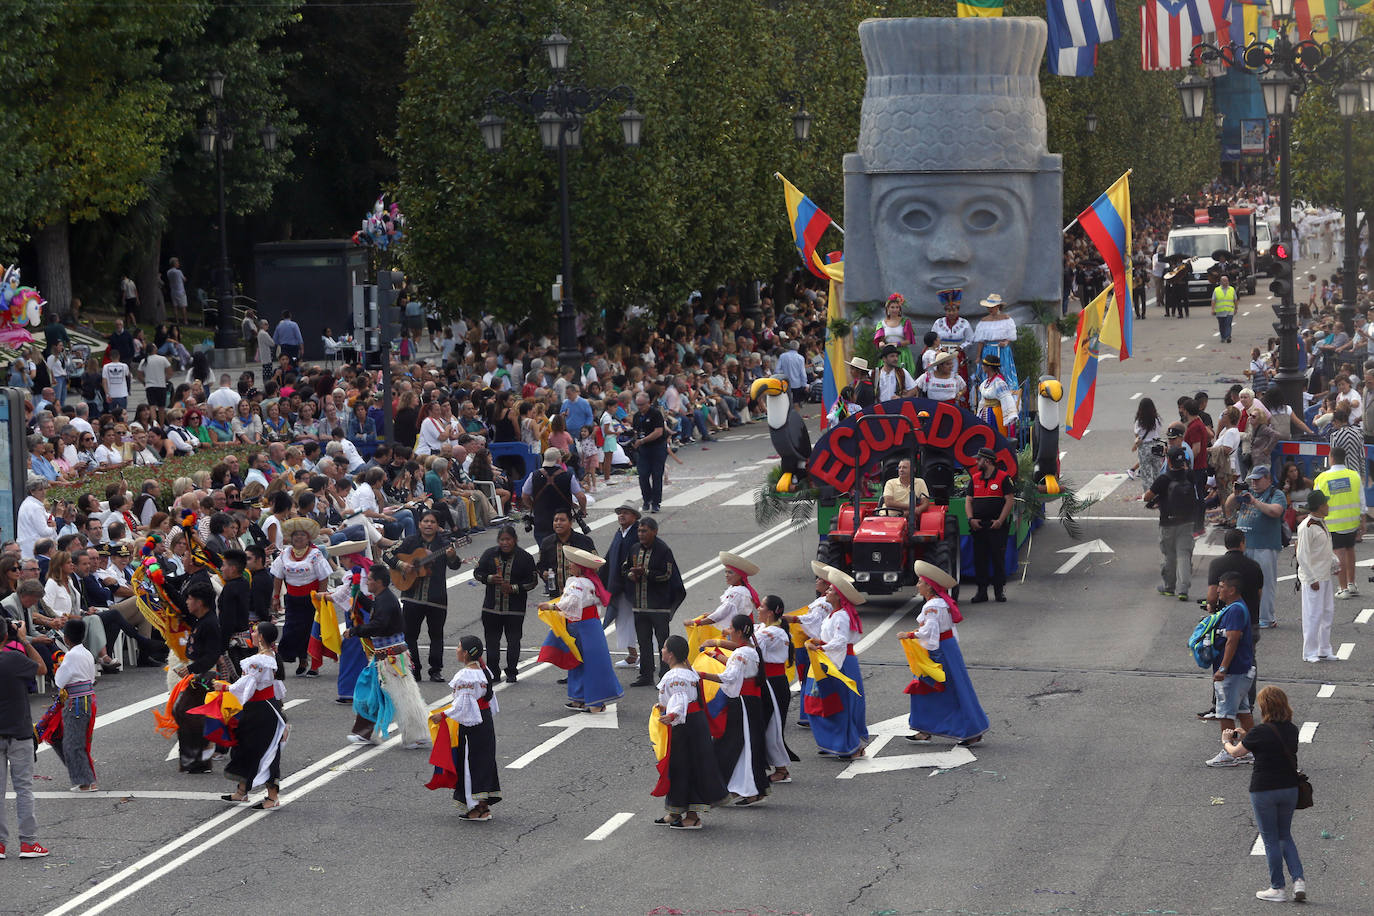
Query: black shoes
point(561, 680)
point(979, 598)
point(510, 678)
point(437, 677)
point(642, 682)
point(1001, 597)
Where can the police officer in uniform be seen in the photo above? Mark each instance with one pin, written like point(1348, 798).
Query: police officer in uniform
point(988, 506)
point(549, 489)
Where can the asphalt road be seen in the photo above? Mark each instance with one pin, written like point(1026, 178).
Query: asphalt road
point(1088, 795)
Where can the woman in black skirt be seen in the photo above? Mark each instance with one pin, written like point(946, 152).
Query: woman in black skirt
point(466, 762)
point(690, 781)
point(740, 750)
point(261, 728)
point(775, 646)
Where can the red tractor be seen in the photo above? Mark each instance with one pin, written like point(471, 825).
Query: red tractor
point(878, 545)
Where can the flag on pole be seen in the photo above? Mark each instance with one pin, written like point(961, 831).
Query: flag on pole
point(1166, 35)
point(1081, 23)
point(1205, 14)
point(1083, 379)
point(808, 223)
point(836, 371)
point(967, 8)
point(1108, 224)
point(1071, 61)
point(1111, 333)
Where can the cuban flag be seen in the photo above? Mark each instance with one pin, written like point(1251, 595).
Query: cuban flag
point(1208, 15)
point(1071, 61)
point(1082, 23)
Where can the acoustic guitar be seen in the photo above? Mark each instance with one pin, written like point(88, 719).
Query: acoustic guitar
point(419, 560)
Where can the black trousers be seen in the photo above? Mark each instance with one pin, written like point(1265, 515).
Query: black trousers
point(648, 627)
point(494, 627)
point(990, 557)
point(652, 459)
point(432, 617)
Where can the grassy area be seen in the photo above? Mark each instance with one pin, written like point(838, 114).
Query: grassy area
point(191, 335)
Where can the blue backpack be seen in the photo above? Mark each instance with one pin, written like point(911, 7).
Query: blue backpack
point(1203, 642)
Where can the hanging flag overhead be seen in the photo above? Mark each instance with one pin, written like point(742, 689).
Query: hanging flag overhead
point(1078, 410)
point(1203, 14)
point(1108, 224)
point(808, 223)
point(1166, 35)
point(1080, 23)
point(1071, 61)
point(967, 8)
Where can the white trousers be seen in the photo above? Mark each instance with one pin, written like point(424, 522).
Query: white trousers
point(1318, 613)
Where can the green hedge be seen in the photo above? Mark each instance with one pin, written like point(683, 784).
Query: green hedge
point(166, 473)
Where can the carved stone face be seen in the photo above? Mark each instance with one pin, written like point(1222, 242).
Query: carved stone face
point(939, 231)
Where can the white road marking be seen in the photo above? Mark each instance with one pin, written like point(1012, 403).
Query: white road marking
point(744, 499)
point(701, 491)
point(130, 794)
point(1061, 455)
point(1156, 378)
point(1136, 396)
point(1078, 552)
point(881, 629)
point(1204, 549)
point(1307, 732)
point(1214, 334)
point(571, 725)
point(1343, 653)
point(1101, 486)
point(122, 713)
point(944, 760)
point(1258, 848)
point(1325, 691)
point(1183, 359)
point(1365, 615)
point(1288, 578)
point(1201, 345)
point(1106, 356)
point(711, 567)
point(292, 704)
point(611, 826)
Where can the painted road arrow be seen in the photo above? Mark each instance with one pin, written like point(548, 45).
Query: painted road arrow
point(1078, 551)
point(571, 725)
point(885, 731)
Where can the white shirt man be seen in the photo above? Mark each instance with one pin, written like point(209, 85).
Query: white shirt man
point(224, 395)
point(156, 370)
point(116, 376)
point(34, 522)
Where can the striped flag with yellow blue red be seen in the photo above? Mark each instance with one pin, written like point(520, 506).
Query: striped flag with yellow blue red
point(1108, 224)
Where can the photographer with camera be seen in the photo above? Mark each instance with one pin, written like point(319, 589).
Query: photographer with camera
point(547, 490)
point(1259, 506)
point(552, 565)
point(1173, 495)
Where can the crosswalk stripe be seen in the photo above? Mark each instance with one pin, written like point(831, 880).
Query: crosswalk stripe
point(1101, 486)
point(699, 492)
point(744, 499)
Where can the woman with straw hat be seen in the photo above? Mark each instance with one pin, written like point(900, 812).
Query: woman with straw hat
point(301, 569)
point(591, 678)
point(993, 336)
point(948, 708)
point(837, 711)
point(806, 624)
point(739, 596)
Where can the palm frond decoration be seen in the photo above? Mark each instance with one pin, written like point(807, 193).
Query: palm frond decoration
point(771, 507)
point(1070, 506)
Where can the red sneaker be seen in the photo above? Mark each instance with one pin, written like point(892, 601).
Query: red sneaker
point(2, 850)
point(31, 851)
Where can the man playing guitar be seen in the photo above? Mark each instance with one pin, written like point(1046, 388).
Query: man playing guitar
point(423, 560)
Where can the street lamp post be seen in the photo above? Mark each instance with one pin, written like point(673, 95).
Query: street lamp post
point(559, 112)
point(1285, 67)
point(217, 138)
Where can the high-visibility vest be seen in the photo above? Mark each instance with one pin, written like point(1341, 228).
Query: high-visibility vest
point(1342, 487)
point(1224, 301)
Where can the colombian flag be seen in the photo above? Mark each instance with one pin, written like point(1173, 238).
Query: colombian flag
point(1108, 223)
point(979, 8)
point(808, 223)
point(559, 648)
point(324, 632)
point(444, 736)
point(1083, 380)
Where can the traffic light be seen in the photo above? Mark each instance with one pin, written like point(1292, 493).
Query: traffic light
point(389, 286)
point(1282, 284)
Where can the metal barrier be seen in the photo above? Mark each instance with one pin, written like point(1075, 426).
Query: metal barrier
point(1311, 457)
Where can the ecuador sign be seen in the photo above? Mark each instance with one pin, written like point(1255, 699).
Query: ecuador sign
point(939, 425)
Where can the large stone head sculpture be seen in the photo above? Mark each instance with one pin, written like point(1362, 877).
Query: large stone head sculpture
point(952, 184)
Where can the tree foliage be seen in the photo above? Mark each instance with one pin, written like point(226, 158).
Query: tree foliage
point(1318, 147)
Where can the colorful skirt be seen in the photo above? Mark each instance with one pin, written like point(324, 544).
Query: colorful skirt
point(838, 715)
point(352, 661)
point(256, 759)
point(594, 682)
point(951, 709)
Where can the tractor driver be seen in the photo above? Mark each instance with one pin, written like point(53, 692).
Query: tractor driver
point(897, 490)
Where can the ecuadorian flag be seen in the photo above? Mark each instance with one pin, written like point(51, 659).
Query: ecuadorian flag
point(1083, 380)
point(980, 8)
point(1108, 223)
point(324, 631)
point(808, 223)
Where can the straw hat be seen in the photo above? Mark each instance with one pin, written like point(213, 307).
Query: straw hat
point(346, 548)
point(941, 359)
point(292, 525)
point(934, 574)
point(584, 558)
point(820, 569)
point(992, 302)
point(739, 563)
point(858, 362)
point(844, 583)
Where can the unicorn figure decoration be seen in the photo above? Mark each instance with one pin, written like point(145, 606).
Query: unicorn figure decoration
point(21, 307)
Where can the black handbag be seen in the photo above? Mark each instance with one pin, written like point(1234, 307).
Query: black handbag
point(1304, 784)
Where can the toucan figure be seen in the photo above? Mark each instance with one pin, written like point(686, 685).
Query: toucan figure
point(786, 430)
point(1049, 416)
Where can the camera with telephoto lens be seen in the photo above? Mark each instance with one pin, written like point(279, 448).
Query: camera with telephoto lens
point(580, 517)
point(1158, 449)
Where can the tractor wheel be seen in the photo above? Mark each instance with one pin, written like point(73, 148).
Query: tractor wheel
point(940, 554)
point(831, 554)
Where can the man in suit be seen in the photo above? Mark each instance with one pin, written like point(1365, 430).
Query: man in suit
point(620, 611)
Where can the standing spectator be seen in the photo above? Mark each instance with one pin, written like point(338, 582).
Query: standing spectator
point(1149, 442)
point(266, 345)
point(1233, 671)
point(1259, 513)
point(288, 336)
point(176, 286)
point(34, 521)
point(656, 592)
point(576, 410)
point(19, 664)
point(115, 381)
point(225, 395)
point(1173, 495)
point(1224, 307)
point(1273, 789)
point(1199, 439)
point(652, 451)
point(1347, 437)
point(620, 611)
point(1345, 521)
point(128, 291)
point(57, 370)
point(157, 370)
point(988, 508)
point(1317, 562)
point(792, 367)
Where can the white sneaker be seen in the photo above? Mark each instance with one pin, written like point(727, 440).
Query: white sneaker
point(626, 663)
point(1342, 593)
point(1248, 758)
point(1299, 890)
point(1275, 894)
point(1222, 759)
point(1352, 589)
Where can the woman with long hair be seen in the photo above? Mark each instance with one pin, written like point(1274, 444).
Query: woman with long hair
point(740, 751)
point(775, 645)
point(1149, 444)
point(689, 778)
point(1274, 783)
point(465, 758)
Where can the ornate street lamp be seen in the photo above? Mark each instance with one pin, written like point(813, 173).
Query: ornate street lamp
point(1090, 122)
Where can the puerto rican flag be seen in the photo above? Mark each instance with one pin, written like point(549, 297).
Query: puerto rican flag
point(1166, 35)
point(1082, 23)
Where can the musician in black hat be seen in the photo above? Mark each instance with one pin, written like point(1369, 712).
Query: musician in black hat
point(894, 381)
point(425, 602)
point(988, 507)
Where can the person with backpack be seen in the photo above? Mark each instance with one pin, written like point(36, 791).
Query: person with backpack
point(1233, 667)
point(1236, 559)
point(1258, 509)
point(1173, 495)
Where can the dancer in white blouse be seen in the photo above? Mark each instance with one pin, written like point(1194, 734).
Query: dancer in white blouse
point(739, 596)
point(775, 647)
point(740, 750)
point(467, 765)
point(838, 715)
point(805, 625)
point(260, 730)
point(689, 779)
